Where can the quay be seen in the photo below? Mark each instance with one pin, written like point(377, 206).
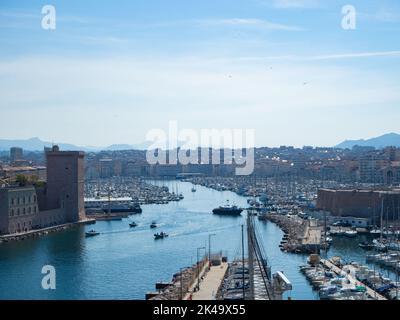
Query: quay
point(43, 231)
point(198, 282)
point(211, 283)
point(301, 236)
point(110, 216)
point(330, 266)
point(182, 285)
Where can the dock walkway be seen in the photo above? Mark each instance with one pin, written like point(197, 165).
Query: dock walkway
point(372, 293)
point(212, 280)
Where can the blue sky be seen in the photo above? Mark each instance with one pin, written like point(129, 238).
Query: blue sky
point(111, 72)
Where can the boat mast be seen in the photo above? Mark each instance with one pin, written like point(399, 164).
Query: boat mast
point(325, 241)
point(244, 290)
point(387, 221)
point(398, 219)
point(381, 221)
point(109, 201)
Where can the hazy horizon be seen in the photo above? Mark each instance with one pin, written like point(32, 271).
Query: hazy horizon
point(143, 145)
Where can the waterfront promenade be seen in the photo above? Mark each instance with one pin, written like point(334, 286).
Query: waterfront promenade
point(209, 286)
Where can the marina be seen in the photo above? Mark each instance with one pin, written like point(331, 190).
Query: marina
point(124, 192)
point(336, 282)
point(141, 261)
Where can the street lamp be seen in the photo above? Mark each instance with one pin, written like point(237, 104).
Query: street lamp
point(198, 267)
point(181, 275)
point(209, 248)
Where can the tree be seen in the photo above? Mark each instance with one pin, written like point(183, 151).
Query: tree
point(21, 180)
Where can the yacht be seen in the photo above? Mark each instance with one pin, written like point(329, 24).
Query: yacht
point(228, 210)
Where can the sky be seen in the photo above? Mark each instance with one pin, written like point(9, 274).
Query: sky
point(112, 71)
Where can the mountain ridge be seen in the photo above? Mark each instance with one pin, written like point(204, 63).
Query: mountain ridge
point(386, 140)
point(36, 144)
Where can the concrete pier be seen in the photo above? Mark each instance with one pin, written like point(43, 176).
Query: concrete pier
point(373, 294)
point(212, 281)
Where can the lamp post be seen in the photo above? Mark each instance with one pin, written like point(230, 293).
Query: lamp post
point(198, 267)
point(209, 248)
point(181, 283)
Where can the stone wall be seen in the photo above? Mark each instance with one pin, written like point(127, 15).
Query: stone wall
point(360, 203)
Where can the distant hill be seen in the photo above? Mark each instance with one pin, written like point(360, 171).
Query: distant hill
point(116, 147)
point(35, 144)
point(386, 140)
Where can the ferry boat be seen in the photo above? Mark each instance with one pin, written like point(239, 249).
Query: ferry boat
point(92, 233)
point(228, 210)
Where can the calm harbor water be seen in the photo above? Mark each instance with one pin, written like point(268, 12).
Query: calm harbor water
point(124, 263)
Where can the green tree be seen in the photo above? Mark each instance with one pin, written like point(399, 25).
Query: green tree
point(21, 180)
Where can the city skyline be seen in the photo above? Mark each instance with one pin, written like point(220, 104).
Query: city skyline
point(37, 144)
point(109, 74)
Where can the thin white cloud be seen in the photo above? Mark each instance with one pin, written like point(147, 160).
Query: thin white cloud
point(382, 15)
point(325, 57)
point(35, 15)
point(263, 24)
point(18, 15)
point(289, 4)
point(355, 55)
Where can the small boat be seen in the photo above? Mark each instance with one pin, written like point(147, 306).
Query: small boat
point(153, 225)
point(92, 233)
point(160, 235)
point(133, 224)
point(375, 232)
point(379, 246)
point(194, 189)
point(328, 240)
point(366, 245)
point(350, 233)
point(338, 233)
